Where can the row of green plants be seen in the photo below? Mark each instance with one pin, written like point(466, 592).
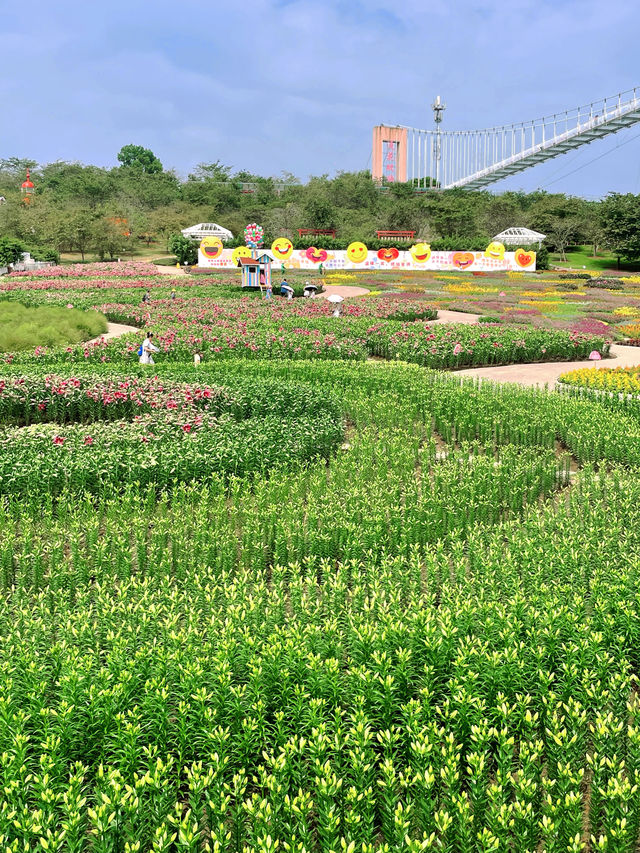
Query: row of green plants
point(453, 346)
point(426, 640)
point(60, 435)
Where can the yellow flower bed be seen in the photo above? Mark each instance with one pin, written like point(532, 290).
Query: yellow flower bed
point(619, 380)
point(627, 311)
point(631, 279)
point(334, 277)
point(465, 288)
point(548, 303)
point(545, 294)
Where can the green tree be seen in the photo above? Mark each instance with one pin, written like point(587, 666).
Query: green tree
point(10, 251)
point(283, 221)
point(80, 230)
point(74, 182)
point(502, 212)
point(454, 213)
point(139, 158)
point(185, 250)
point(549, 211)
point(109, 237)
point(592, 226)
point(16, 166)
point(320, 213)
point(562, 234)
point(170, 219)
point(620, 216)
point(216, 172)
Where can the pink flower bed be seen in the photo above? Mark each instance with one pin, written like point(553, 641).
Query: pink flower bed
point(122, 269)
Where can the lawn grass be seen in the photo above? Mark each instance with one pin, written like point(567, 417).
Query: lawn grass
point(581, 257)
point(137, 252)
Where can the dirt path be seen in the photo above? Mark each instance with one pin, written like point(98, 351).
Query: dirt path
point(174, 271)
point(114, 330)
point(545, 373)
point(445, 316)
point(548, 373)
point(344, 290)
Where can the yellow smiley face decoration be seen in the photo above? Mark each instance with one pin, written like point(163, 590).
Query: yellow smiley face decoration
point(211, 247)
point(240, 252)
point(282, 248)
point(420, 252)
point(357, 252)
point(494, 250)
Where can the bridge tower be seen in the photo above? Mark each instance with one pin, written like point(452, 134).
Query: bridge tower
point(389, 154)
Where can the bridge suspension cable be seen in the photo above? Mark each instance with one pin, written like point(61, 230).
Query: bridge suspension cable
point(472, 159)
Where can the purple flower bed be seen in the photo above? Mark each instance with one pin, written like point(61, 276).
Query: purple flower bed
point(588, 326)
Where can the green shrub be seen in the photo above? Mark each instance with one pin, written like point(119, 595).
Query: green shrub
point(542, 256)
point(23, 328)
point(184, 250)
point(38, 253)
point(10, 251)
point(575, 276)
point(606, 283)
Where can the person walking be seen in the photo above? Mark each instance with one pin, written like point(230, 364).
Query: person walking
point(197, 358)
point(268, 290)
point(146, 297)
point(173, 294)
point(147, 349)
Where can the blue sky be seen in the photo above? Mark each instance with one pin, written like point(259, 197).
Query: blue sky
point(297, 85)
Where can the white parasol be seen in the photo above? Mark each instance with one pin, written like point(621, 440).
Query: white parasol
point(335, 297)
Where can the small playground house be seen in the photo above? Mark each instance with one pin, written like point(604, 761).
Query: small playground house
point(253, 269)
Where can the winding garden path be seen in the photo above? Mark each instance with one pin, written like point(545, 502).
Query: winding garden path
point(344, 290)
point(114, 330)
point(545, 373)
point(548, 372)
point(174, 270)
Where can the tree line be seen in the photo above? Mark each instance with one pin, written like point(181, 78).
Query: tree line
point(109, 211)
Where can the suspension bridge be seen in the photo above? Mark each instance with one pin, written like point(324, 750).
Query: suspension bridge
point(473, 159)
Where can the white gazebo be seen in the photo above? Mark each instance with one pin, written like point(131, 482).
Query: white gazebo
point(519, 237)
point(207, 229)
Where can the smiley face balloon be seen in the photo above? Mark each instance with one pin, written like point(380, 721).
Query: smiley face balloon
point(282, 248)
point(357, 252)
point(494, 250)
point(420, 252)
point(240, 252)
point(211, 247)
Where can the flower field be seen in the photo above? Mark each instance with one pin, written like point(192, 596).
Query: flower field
point(618, 380)
point(220, 322)
point(314, 604)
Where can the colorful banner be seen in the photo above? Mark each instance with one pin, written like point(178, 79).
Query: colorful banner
point(358, 257)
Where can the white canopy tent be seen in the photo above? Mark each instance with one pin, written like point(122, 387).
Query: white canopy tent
point(207, 229)
point(519, 237)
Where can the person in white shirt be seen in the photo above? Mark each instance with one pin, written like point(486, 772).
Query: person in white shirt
point(148, 348)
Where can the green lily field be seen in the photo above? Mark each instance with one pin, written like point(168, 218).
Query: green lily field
point(316, 593)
